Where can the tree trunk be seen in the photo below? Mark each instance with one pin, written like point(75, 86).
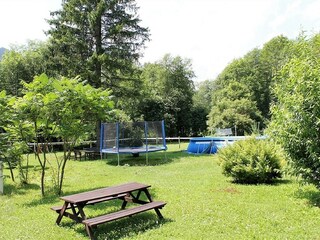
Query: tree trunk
point(11, 170)
point(66, 156)
point(99, 51)
point(98, 68)
point(43, 172)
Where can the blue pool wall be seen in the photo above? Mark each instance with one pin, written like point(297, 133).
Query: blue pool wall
point(201, 145)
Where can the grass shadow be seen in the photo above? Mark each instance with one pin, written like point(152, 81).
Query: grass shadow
point(312, 196)
point(127, 227)
point(274, 182)
point(281, 181)
point(47, 199)
point(19, 189)
point(154, 159)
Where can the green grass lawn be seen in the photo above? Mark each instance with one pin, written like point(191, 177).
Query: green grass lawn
point(201, 202)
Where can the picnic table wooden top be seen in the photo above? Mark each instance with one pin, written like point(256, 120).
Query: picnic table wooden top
point(104, 192)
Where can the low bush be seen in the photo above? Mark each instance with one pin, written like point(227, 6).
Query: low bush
point(252, 161)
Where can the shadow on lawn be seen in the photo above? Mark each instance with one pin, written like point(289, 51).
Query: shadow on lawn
point(275, 182)
point(127, 227)
point(154, 159)
point(12, 189)
point(312, 196)
point(280, 181)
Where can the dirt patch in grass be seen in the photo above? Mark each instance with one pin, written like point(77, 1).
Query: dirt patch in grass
point(229, 190)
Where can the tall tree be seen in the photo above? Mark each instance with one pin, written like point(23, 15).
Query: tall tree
point(98, 40)
point(202, 100)
point(295, 116)
point(168, 93)
point(256, 71)
point(233, 106)
point(274, 54)
point(203, 94)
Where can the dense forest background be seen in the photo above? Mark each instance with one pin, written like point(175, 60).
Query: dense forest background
point(102, 45)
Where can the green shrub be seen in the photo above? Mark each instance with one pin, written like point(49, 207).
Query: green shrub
point(252, 161)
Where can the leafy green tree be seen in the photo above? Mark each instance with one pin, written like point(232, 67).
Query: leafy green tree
point(11, 149)
point(203, 94)
point(236, 93)
point(232, 106)
point(274, 54)
point(168, 93)
point(66, 109)
point(202, 100)
point(256, 71)
point(295, 116)
point(4, 136)
point(21, 63)
point(199, 125)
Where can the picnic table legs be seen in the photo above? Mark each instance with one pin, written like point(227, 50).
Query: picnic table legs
point(76, 211)
point(81, 212)
point(130, 197)
point(135, 199)
point(89, 232)
point(62, 211)
point(124, 203)
point(150, 199)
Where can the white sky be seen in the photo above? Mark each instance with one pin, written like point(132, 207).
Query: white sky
point(209, 32)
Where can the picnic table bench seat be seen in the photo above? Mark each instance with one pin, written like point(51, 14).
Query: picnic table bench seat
point(93, 222)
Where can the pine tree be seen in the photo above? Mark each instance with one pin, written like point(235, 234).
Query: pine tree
point(100, 40)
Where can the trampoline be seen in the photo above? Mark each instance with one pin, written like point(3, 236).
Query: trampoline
point(132, 138)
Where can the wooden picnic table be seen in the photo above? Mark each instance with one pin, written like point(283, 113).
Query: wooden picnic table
point(91, 153)
point(129, 192)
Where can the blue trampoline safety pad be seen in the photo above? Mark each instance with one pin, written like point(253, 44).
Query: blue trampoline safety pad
point(133, 150)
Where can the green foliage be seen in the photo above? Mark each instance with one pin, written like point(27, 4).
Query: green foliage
point(248, 81)
point(14, 157)
point(295, 117)
point(202, 100)
point(11, 149)
point(203, 95)
point(168, 91)
point(232, 106)
point(274, 54)
point(198, 121)
point(66, 109)
point(22, 63)
point(252, 161)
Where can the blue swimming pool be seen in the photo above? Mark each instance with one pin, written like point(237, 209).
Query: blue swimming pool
point(201, 145)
